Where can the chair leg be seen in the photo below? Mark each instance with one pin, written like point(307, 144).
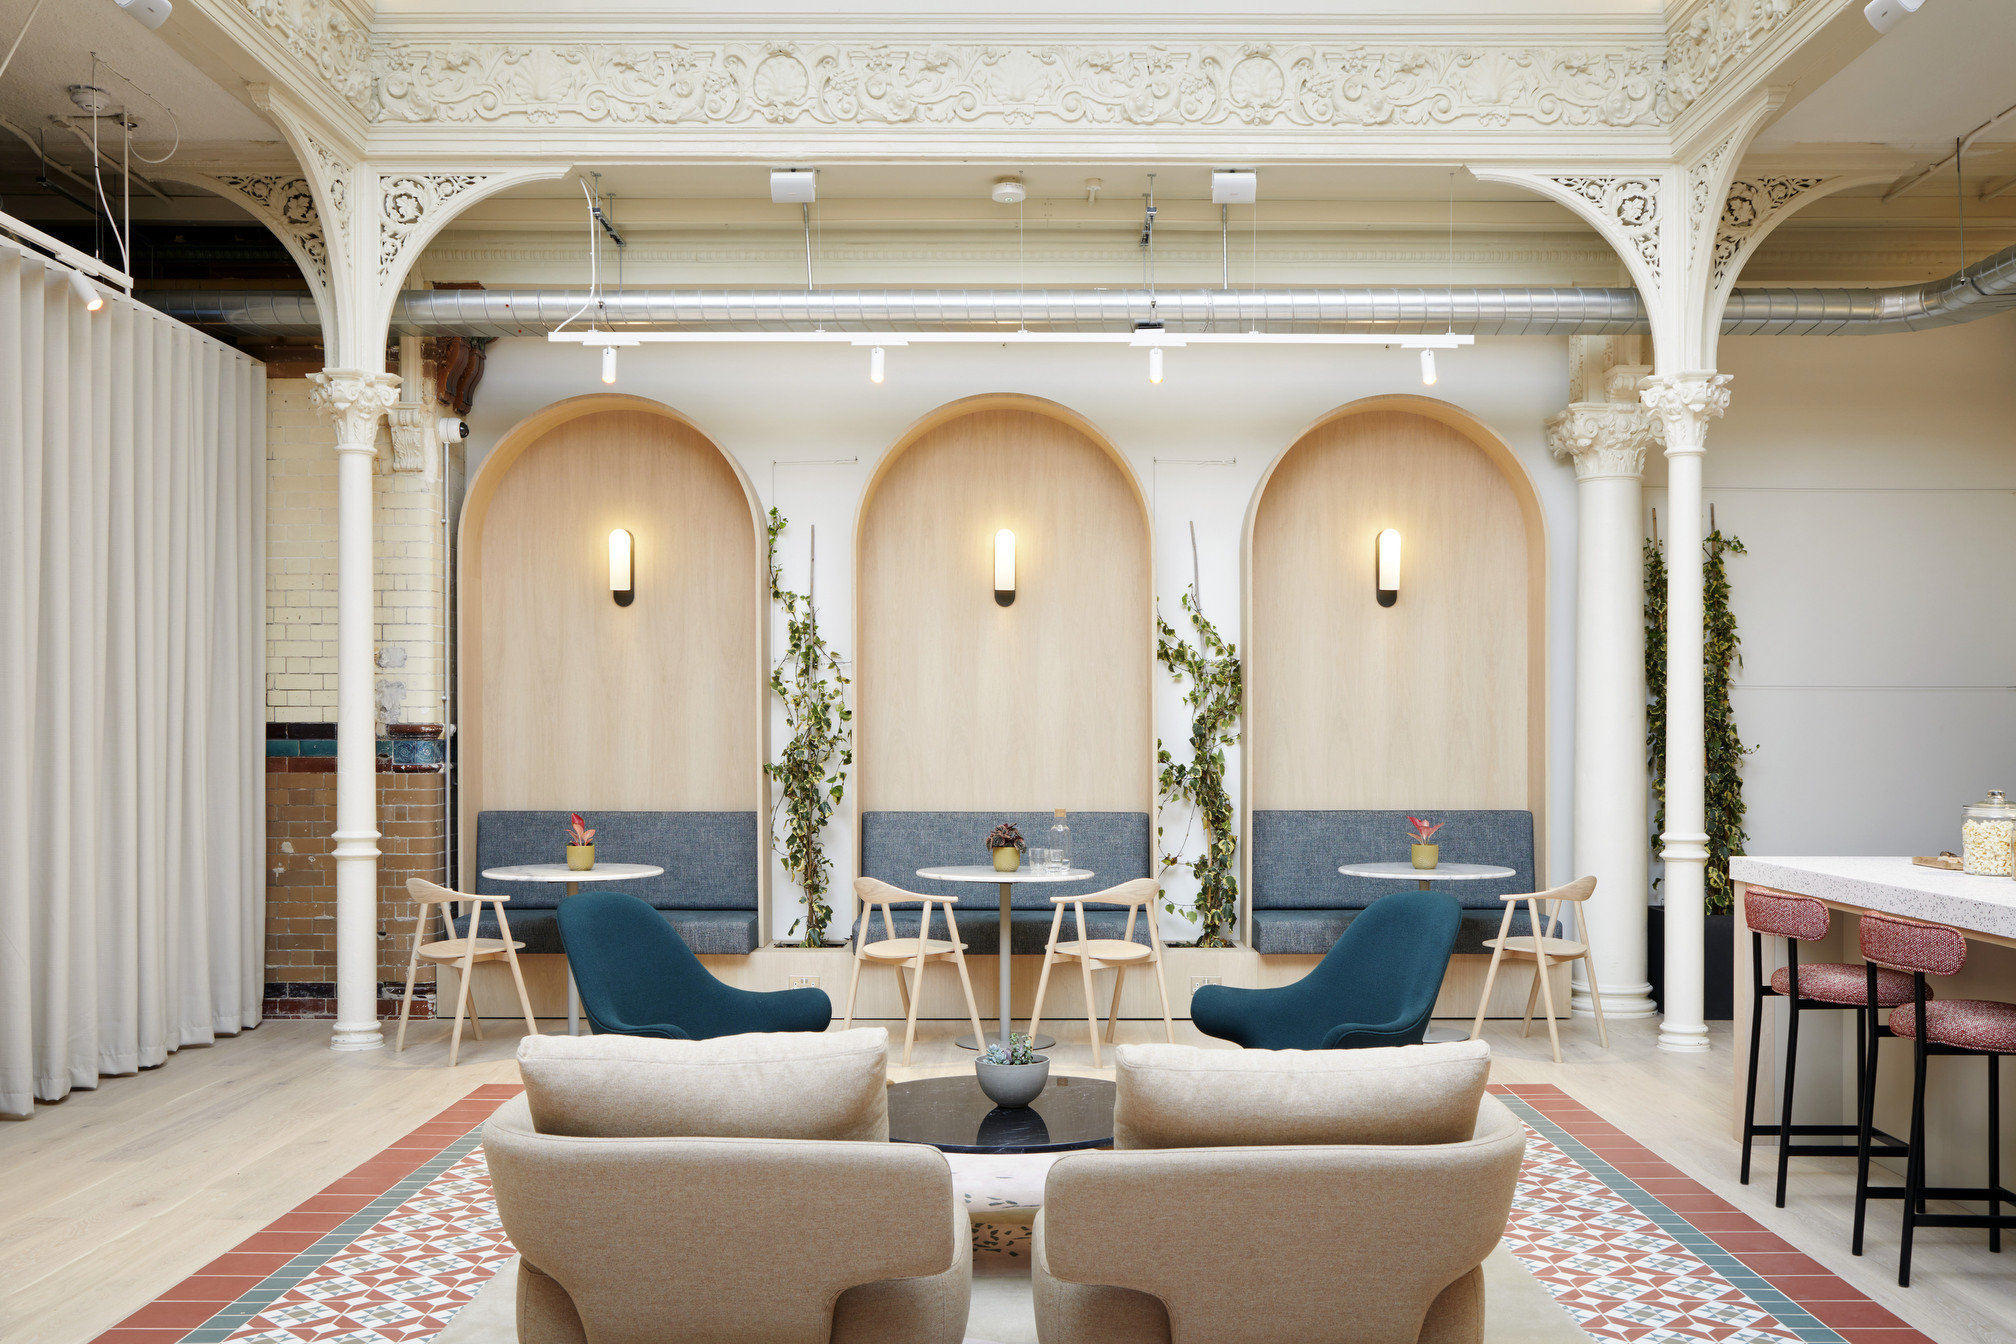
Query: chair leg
point(1750, 1091)
point(1491, 975)
point(853, 988)
point(1914, 1165)
point(1865, 1114)
point(1785, 1111)
point(1532, 997)
point(910, 1018)
point(1113, 1018)
point(1596, 1000)
point(462, 996)
point(1162, 985)
point(902, 987)
point(412, 970)
point(1091, 1008)
point(1546, 983)
point(972, 1006)
point(1995, 1151)
point(1043, 978)
point(518, 979)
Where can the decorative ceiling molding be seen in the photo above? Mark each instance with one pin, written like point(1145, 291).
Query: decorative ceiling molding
point(328, 37)
point(286, 204)
point(1752, 204)
point(1018, 85)
point(406, 200)
point(1630, 210)
point(1703, 45)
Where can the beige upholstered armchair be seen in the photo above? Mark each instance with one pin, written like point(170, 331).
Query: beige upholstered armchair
point(735, 1189)
point(1282, 1197)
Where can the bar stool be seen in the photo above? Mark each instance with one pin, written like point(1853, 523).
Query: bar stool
point(913, 953)
point(1976, 1027)
point(1832, 986)
point(1096, 954)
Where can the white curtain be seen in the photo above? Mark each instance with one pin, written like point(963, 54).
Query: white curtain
point(132, 592)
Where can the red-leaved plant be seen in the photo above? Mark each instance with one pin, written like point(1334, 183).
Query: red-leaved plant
point(1423, 833)
point(580, 833)
point(1005, 835)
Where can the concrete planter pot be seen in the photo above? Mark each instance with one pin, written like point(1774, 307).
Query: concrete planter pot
point(1013, 1085)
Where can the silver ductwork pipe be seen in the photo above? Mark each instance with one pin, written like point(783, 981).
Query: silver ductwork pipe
point(1987, 287)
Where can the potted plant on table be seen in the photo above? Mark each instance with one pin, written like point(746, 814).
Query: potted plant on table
point(1426, 853)
point(580, 844)
point(1014, 1077)
point(1007, 844)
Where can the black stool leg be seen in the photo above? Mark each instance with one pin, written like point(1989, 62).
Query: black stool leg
point(1791, 1073)
point(1914, 1165)
point(1869, 1049)
point(1756, 1036)
point(1995, 1151)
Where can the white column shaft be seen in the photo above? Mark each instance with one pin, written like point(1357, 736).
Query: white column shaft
point(356, 760)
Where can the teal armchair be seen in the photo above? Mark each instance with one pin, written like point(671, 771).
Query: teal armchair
point(637, 977)
point(1376, 986)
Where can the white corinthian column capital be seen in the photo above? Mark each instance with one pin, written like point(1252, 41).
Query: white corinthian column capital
point(353, 401)
point(1607, 441)
point(1685, 403)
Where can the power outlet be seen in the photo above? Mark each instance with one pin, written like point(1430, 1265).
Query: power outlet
point(1198, 982)
point(802, 982)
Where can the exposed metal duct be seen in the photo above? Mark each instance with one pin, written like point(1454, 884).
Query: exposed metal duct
point(1983, 289)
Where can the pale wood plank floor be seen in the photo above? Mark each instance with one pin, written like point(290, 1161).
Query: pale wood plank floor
point(116, 1194)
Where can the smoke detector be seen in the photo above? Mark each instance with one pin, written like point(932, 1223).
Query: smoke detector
point(91, 99)
point(1010, 191)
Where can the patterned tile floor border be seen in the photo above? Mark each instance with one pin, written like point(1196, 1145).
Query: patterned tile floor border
point(1631, 1248)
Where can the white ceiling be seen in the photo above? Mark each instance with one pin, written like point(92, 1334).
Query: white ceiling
point(1937, 76)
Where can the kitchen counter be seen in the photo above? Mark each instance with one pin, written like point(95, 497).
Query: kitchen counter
point(1981, 907)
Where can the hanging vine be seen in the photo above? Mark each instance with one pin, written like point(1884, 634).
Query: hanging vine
point(813, 686)
point(1212, 665)
point(1722, 654)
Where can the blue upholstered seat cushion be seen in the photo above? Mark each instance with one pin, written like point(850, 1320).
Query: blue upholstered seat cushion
point(1316, 931)
point(1296, 856)
point(707, 932)
point(710, 858)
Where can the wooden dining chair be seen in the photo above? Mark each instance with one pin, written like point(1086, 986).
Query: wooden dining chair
point(912, 953)
point(1545, 945)
point(463, 953)
point(1097, 954)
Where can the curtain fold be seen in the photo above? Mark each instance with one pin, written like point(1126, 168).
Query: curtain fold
point(132, 582)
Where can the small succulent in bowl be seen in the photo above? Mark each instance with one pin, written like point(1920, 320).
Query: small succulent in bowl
point(1005, 836)
point(1021, 1050)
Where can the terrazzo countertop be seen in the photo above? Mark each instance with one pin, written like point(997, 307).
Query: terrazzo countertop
point(1895, 886)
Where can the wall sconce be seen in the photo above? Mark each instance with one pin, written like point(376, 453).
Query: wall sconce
point(1388, 582)
point(622, 569)
point(1004, 567)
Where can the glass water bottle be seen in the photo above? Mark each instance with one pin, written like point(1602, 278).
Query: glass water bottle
point(1060, 844)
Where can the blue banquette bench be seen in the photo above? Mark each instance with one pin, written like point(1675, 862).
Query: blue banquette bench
point(1301, 903)
point(1114, 845)
point(707, 893)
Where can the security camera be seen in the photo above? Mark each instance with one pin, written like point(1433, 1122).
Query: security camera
point(153, 13)
point(451, 428)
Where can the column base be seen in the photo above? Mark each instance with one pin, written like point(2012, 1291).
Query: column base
point(1624, 1001)
point(357, 1036)
point(1680, 1039)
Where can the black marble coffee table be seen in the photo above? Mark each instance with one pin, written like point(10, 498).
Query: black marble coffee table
point(954, 1115)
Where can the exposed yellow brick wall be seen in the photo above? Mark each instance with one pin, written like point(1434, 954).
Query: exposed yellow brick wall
point(301, 539)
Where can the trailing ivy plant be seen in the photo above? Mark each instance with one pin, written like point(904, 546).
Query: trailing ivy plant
point(1722, 654)
point(813, 686)
point(1212, 665)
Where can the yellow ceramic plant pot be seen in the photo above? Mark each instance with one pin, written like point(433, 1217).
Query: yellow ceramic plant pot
point(1007, 859)
point(580, 858)
point(1425, 856)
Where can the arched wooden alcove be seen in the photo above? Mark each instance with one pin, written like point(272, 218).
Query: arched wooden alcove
point(966, 705)
point(568, 700)
point(1437, 701)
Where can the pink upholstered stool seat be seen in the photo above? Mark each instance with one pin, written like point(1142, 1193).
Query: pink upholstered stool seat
point(1968, 1024)
point(1833, 982)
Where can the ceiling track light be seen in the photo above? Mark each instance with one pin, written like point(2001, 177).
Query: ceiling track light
point(1427, 368)
point(609, 364)
point(1155, 364)
point(875, 365)
point(90, 297)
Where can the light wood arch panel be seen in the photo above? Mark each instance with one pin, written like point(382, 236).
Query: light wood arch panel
point(565, 698)
point(1438, 701)
point(965, 705)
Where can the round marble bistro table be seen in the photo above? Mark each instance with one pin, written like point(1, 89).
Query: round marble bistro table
point(986, 872)
point(1447, 872)
point(573, 877)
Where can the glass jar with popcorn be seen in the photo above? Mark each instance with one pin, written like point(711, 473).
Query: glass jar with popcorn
point(1988, 837)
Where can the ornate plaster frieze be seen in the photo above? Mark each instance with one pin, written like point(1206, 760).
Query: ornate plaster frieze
point(334, 172)
point(286, 202)
point(1629, 205)
point(1187, 84)
point(410, 423)
point(1685, 403)
point(1751, 204)
point(1604, 439)
point(327, 37)
point(406, 200)
point(1714, 37)
point(353, 401)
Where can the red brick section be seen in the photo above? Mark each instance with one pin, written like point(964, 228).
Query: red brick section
point(1805, 1280)
point(242, 1268)
point(301, 877)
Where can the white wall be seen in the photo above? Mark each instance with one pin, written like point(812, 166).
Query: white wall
point(809, 428)
point(1873, 480)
